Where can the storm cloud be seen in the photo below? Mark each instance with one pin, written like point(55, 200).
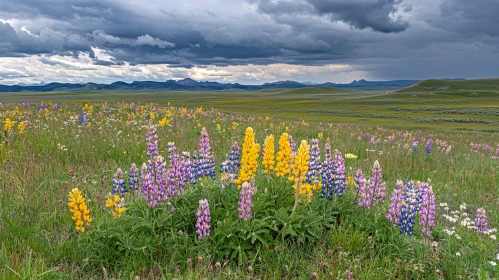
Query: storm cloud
point(374, 39)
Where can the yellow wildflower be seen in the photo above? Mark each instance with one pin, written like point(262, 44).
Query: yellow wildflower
point(300, 169)
point(114, 202)
point(8, 124)
point(350, 156)
point(284, 157)
point(164, 122)
point(249, 157)
point(79, 209)
point(21, 127)
point(268, 161)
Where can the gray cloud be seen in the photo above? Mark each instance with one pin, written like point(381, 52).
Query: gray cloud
point(379, 15)
point(376, 37)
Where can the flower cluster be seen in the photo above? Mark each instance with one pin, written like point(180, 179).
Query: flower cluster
point(428, 146)
point(204, 162)
point(246, 200)
point(394, 211)
point(340, 179)
point(481, 220)
point(315, 165)
point(373, 191)
point(250, 153)
point(268, 160)
point(231, 166)
point(427, 211)
point(116, 203)
point(133, 178)
point(119, 184)
point(284, 157)
point(409, 210)
point(203, 219)
point(300, 169)
point(79, 209)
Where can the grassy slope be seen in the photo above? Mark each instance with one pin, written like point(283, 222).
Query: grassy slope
point(421, 106)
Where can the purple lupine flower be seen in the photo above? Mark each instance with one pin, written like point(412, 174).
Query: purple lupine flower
point(409, 210)
point(292, 144)
point(377, 187)
point(481, 220)
point(170, 149)
point(119, 185)
point(415, 147)
point(152, 143)
point(246, 201)
point(394, 212)
point(203, 220)
point(328, 173)
point(204, 162)
point(427, 215)
point(150, 191)
point(186, 168)
point(231, 165)
point(133, 178)
point(428, 146)
point(365, 196)
point(340, 179)
point(359, 177)
point(161, 177)
point(314, 166)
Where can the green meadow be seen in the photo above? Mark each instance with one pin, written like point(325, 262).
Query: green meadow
point(46, 151)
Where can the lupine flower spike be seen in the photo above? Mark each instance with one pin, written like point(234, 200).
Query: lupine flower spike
point(481, 220)
point(250, 153)
point(230, 167)
point(428, 205)
point(284, 157)
point(268, 161)
point(394, 211)
point(133, 178)
point(203, 219)
point(409, 210)
point(300, 169)
point(314, 166)
point(79, 209)
point(119, 185)
point(246, 201)
point(328, 173)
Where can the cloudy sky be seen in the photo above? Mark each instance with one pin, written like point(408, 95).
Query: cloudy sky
point(247, 41)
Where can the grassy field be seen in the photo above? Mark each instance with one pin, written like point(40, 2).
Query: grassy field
point(431, 104)
point(48, 150)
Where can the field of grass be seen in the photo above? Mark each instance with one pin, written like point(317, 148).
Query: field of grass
point(79, 140)
point(419, 107)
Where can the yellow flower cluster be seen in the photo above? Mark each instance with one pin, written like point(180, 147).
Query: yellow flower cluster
point(300, 165)
point(350, 156)
point(284, 157)
point(8, 124)
point(300, 169)
point(268, 161)
point(79, 208)
point(164, 122)
point(113, 202)
point(249, 157)
point(350, 181)
point(21, 127)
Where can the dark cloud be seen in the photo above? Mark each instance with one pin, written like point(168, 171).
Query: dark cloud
point(192, 33)
point(470, 18)
point(379, 15)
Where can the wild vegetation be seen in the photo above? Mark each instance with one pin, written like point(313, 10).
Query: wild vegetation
point(116, 189)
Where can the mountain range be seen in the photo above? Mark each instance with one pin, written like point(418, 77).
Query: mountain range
point(190, 84)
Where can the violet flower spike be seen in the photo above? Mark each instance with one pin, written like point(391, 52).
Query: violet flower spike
point(203, 219)
point(246, 201)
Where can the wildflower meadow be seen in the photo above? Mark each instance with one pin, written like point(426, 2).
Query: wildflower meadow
point(117, 190)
